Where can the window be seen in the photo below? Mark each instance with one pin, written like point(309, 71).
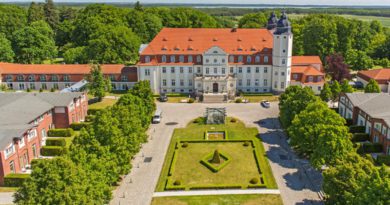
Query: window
point(32, 133)
point(223, 70)
point(257, 69)
point(34, 150)
point(310, 79)
point(265, 70)
point(181, 82)
point(248, 70)
point(189, 69)
point(265, 82)
point(198, 71)
point(215, 60)
point(21, 86)
point(66, 78)
point(147, 59)
point(9, 150)
point(173, 82)
point(31, 78)
point(239, 70)
point(295, 76)
point(181, 70)
point(284, 51)
point(181, 58)
point(248, 59)
point(54, 78)
point(207, 60)
point(164, 58)
point(164, 82)
point(239, 82)
point(282, 73)
point(283, 61)
point(378, 126)
point(248, 82)
point(198, 59)
point(43, 133)
point(189, 82)
point(190, 59)
point(112, 77)
point(276, 84)
point(32, 86)
point(164, 69)
point(231, 59)
point(282, 85)
point(147, 72)
point(257, 59)
point(265, 59)
point(257, 82)
point(172, 59)
point(20, 78)
point(231, 70)
point(172, 69)
point(239, 58)
point(223, 60)
point(215, 70)
point(9, 78)
point(207, 70)
point(123, 78)
point(44, 86)
point(21, 142)
point(276, 73)
point(12, 166)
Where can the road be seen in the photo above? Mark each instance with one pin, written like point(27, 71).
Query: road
point(297, 182)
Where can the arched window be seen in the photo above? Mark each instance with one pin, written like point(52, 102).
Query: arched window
point(164, 58)
point(190, 59)
point(231, 59)
point(20, 78)
point(147, 59)
point(240, 58)
point(248, 59)
point(265, 59)
point(181, 58)
point(198, 59)
point(172, 59)
point(257, 59)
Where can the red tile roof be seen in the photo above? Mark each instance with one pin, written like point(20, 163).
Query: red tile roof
point(306, 70)
point(306, 60)
point(199, 40)
point(10, 68)
point(377, 74)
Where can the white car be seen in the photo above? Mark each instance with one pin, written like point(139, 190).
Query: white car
point(265, 104)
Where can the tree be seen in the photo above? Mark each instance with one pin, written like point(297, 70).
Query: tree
point(60, 181)
point(97, 84)
point(138, 6)
point(76, 55)
point(142, 90)
point(51, 14)
point(358, 60)
point(336, 89)
point(6, 52)
point(35, 12)
point(336, 67)
point(326, 93)
point(253, 20)
point(216, 158)
point(145, 25)
point(293, 101)
point(34, 43)
point(12, 18)
point(372, 87)
point(346, 87)
point(113, 45)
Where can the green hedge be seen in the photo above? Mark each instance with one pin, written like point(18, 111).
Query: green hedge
point(78, 125)
point(172, 167)
point(224, 133)
point(256, 186)
point(170, 186)
point(15, 180)
point(383, 159)
point(56, 142)
point(258, 94)
point(212, 168)
point(348, 122)
point(60, 132)
point(89, 118)
point(52, 151)
point(215, 186)
point(93, 111)
point(369, 148)
point(357, 129)
point(257, 159)
point(360, 137)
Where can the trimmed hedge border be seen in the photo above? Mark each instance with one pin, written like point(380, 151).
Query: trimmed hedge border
point(360, 137)
point(15, 180)
point(220, 186)
point(224, 133)
point(78, 125)
point(258, 94)
point(60, 132)
point(210, 166)
point(173, 163)
point(357, 129)
point(52, 151)
point(369, 148)
point(170, 186)
point(56, 142)
point(383, 159)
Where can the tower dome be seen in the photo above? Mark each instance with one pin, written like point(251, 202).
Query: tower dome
point(283, 25)
point(272, 21)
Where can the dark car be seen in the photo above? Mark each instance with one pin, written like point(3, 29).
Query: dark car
point(265, 103)
point(163, 98)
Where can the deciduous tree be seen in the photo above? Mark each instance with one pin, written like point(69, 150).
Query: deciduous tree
point(336, 89)
point(35, 12)
point(326, 93)
point(97, 84)
point(6, 52)
point(372, 87)
point(336, 67)
point(346, 87)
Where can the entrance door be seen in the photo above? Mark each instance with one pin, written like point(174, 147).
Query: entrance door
point(215, 87)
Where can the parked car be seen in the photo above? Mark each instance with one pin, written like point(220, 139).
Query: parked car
point(163, 97)
point(157, 117)
point(265, 103)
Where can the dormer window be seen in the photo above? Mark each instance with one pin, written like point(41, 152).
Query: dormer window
point(239, 48)
point(257, 59)
point(240, 59)
point(20, 78)
point(164, 48)
point(9, 78)
point(190, 59)
point(190, 48)
point(172, 59)
point(231, 59)
point(177, 48)
point(147, 59)
point(42, 78)
point(164, 58)
point(181, 58)
point(248, 59)
point(310, 79)
point(215, 51)
point(31, 78)
point(198, 59)
point(265, 59)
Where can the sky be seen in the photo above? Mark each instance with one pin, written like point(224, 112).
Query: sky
point(296, 2)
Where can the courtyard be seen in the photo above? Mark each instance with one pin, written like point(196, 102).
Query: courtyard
point(244, 165)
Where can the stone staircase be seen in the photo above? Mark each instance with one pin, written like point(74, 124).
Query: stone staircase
point(214, 98)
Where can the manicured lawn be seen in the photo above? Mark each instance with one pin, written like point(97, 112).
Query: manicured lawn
point(250, 199)
point(175, 99)
point(242, 168)
point(8, 189)
point(256, 99)
point(103, 104)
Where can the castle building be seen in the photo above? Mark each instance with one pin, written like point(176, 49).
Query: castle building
point(224, 61)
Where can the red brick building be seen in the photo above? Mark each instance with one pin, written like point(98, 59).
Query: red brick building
point(370, 110)
point(25, 119)
point(381, 76)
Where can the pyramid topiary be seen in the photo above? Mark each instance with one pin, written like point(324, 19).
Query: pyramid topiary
point(216, 158)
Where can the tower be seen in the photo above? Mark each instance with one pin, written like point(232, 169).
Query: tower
point(282, 54)
point(272, 21)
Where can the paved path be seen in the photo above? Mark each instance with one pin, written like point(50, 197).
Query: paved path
point(297, 182)
point(216, 192)
point(6, 198)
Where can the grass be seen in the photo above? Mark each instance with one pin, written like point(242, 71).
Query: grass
point(188, 161)
point(103, 104)
point(249, 199)
point(175, 99)
point(256, 99)
point(8, 189)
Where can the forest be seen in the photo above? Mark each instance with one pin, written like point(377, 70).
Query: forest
point(47, 33)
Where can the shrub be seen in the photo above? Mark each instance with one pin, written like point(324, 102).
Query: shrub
point(238, 100)
point(246, 144)
point(28, 90)
point(56, 142)
point(360, 137)
point(40, 90)
point(93, 111)
point(254, 181)
point(60, 132)
point(184, 145)
point(177, 183)
point(349, 122)
point(233, 120)
point(383, 159)
point(200, 120)
point(52, 90)
point(15, 180)
point(52, 151)
point(372, 147)
point(191, 100)
point(89, 118)
point(78, 125)
point(357, 129)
